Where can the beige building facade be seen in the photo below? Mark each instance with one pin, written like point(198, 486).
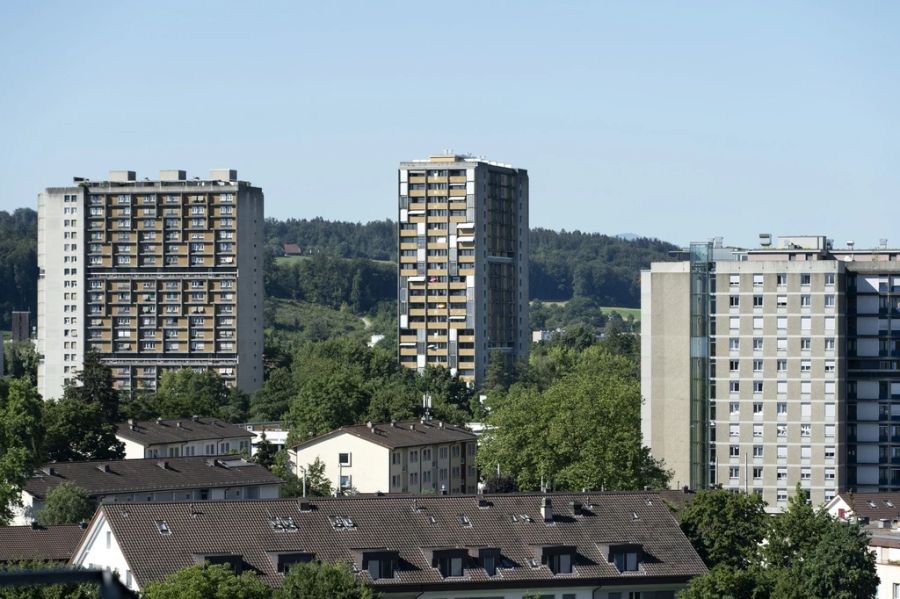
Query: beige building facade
point(400, 457)
point(463, 271)
point(154, 276)
point(766, 368)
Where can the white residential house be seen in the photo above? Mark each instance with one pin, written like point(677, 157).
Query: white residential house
point(411, 456)
point(880, 514)
point(185, 437)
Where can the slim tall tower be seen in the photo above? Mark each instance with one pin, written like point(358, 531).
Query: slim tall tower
point(463, 272)
point(154, 276)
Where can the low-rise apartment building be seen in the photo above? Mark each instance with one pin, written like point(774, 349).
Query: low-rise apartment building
point(565, 546)
point(128, 481)
point(182, 437)
point(411, 456)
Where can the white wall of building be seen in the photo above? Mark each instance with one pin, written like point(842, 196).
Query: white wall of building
point(369, 468)
point(100, 549)
point(211, 447)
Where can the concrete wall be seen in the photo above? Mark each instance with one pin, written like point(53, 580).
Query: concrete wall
point(665, 366)
point(369, 468)
point(250, 293)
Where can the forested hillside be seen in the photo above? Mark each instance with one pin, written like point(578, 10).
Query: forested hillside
point(18, 263)
point(339, 267)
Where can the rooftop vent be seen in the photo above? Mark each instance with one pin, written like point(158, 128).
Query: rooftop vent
point(163, 464)
point(195, 418)
point(131, 424)
point(417, 507)
point(159, 421)
point(49, 470)
point(342, 523)
point(577, 508)
point(103, 467)
point(464, 521)
point(634, 516)
point(178, 424)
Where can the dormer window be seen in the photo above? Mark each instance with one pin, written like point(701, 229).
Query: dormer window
point(626, 558)
point(489, 559)
point(560, 560)
point(286, 560)
point(235, 561)
point(450, 562)
point(380, 564)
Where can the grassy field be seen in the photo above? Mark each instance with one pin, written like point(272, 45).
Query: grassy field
point(623, 312)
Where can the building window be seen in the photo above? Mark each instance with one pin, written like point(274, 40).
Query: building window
point(757, 344)
point(757, 472)
point(734, 301)
point(757, 430)
point(804, 280)
point(734, 344)
point(561, 563)
point(757, 301)
point(757, 451)
point(734, 451)
point(733, 472)
point(344, 459)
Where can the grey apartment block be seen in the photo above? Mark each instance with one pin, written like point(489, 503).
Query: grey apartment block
point(766, 368)
point(463, 263)
point(152, 275)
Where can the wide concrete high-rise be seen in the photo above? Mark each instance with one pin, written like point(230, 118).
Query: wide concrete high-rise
point(463, 272)
point(769, 367)
point(153, 276)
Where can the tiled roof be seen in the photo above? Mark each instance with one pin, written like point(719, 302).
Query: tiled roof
point(874, 506)
point(182, 430)
point(413, 527)
point(128, 476)
point(52, 543)
point(405, 433)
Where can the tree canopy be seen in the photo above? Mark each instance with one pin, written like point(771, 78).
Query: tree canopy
point(66, 503)
point(316, 579)
point(208, 582)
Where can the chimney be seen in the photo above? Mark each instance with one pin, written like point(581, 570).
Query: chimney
point(163, 464)
point(159, 421)
point(547, 509)
point(412, 427)
point(195, 418)
point(440, 424)
point(576, 508)
point(370, 425)
point(393, 423)
point(35, 525)
point(178, 424)
point(83, 524)
point(131, 424)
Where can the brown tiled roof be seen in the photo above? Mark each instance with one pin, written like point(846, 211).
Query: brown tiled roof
point(291, 248)
point(128, 476)
point(413, 527)
point(52, 543)
point(405, 433)
point(181, 430)
point(874, 506)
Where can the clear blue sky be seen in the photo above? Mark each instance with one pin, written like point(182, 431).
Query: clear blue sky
point(680, 120)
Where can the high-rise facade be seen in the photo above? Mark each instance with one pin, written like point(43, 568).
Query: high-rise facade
point(765, 368)
point(463, 272)
point(153, 276)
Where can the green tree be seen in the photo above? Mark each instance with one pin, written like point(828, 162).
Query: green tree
point(725, 528)
point(22, 360)
point(21, 420)
point(79, 431)
point(265, 453)
point(53, 591)
point(66, 503)
point(95, 385)
point(208, 582)
point(500, 483)
point(315, 580)
point(188, 392)
point(726, 582)
point(583, 431)
point(317, 484)
point(274, 398)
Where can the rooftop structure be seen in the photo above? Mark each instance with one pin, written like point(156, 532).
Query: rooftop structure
point(181, 437)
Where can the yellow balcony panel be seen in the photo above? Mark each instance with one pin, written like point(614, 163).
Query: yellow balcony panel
point(437, 352)
point(417, 299)
point(417, 193)
point(458, 285)
point(408, 259)
point(466, 338)
point(455, 193)
point(466, 271)
point(438, 219)
point(408, 273)
point(418, 218)
point(437, 179)
point(437, 299)
point(466, 366)
point(417, 179)
point(459, 312)
point(458, 324)
point(438, 204)
point(466, 351)
point(407, 351)
point(417, 311)
point(458, 179)
point(416, 325)
point(408, 233)
point(408, 338)
point(408, 245)
point(438, 246)
point(437, 272)
point(420, 205)
point(457, 219)
point(439, 338)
